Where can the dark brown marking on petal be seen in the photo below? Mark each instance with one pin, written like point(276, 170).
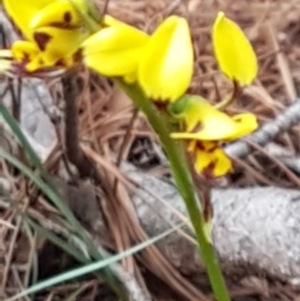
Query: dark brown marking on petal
point(200, 146)
point(25, 58)
point(238, 120)
point(64, 25)
point(42, 39)
point(67, 17)
point(161, 105)
point(60, 63)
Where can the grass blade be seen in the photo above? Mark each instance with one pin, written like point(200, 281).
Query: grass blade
point(24, 142)
point(90, 268)
point(48, 191)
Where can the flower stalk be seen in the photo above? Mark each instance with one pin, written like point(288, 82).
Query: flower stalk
point(184, 183)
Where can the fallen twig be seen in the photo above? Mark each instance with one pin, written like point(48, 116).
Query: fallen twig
point(240, 215)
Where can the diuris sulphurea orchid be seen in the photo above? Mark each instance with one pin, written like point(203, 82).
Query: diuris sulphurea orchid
point(206, 128)
point(53, 27)
point(233, 51)
point(162, 64)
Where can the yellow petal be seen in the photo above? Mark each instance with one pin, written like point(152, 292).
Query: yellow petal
point(58, 41)
point(35, 64)
point(212, 164)
point(24, 50)
point(210, 124)
point(246, 123)
point(115, 50)
point(22, 12)
point(233, 51)
point(166, 69)
point(27, 54)
point(109, 21)
point(58, 44)
point(60, 13)
point(192, 146)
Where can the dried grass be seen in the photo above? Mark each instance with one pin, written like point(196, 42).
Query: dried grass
point(105, 114)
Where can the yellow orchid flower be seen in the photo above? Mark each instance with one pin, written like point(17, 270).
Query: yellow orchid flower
point(53, 28)
point(206, 128)
point(233, 51)
point(212, 124)
point(166, 68)
point(115, 50)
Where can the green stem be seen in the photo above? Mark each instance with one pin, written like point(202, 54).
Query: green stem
point(184, 183)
